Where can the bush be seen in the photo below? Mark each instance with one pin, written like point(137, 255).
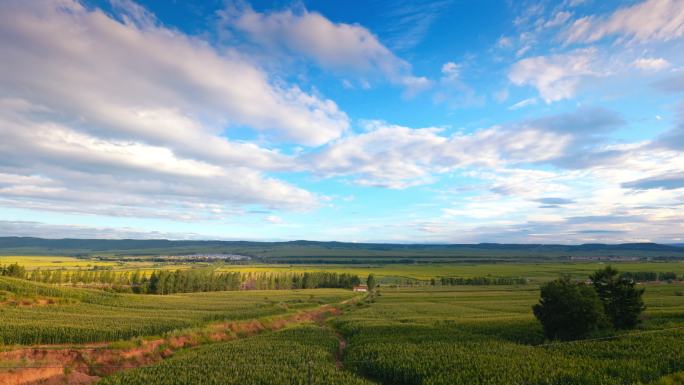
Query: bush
point(569, 310)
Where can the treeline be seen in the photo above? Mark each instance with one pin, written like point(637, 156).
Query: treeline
point(648, 276)
point(454, 281)
point(184, 281)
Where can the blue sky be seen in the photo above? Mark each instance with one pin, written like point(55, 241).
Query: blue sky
point(381, 121)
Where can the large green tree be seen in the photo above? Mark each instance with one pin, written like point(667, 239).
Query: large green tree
point(371, 282)
point(569, 310)
point(621, 299)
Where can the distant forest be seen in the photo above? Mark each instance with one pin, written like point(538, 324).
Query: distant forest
point(336, 252)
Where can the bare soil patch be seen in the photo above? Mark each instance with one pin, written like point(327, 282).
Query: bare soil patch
point(84, 365)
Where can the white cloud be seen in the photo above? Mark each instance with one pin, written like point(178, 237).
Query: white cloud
point(84, 173)
point(504, 42)
point(559, 19)
point(639, 199)
point(341, 47)
point(523, 103)
point(556, 77)
point(149, 81)
point(651, 64)
point(399, 157)
point(648, 20)
point(274, 219)
point(46, 230)
point(451, 70)
point(129, 118)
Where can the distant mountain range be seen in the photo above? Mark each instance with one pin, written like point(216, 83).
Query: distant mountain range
point(334, 252)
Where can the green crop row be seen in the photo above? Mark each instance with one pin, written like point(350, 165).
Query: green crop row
point(302, 355)
point(468, 337)
point(95, 316)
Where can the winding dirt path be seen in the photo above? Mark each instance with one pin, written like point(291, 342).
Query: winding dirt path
point(339, 355)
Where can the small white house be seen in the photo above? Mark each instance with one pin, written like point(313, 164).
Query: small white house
point(361, 288)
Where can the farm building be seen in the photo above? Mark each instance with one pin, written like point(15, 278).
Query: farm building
point(362, 288)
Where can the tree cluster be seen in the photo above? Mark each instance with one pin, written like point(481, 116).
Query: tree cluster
point(13, 270)
point(453, 281)
point(184, 281)
point(649, 276)
point(570, 310)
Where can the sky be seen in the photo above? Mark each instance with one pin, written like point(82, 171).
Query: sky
point(363, 120)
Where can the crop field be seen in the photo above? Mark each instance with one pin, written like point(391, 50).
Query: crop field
point(420, 335)
point(488, 336)
point(52, 262)
point(388, 274)
point(300, 355)
point(435, 336)
point(81, 315)
point(533, 271)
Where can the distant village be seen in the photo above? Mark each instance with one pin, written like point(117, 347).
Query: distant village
point(611, 258)
point(204, 257)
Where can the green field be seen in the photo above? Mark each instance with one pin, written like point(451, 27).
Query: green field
point(533, 271)
point(438, 336)
point(81, 315)
point(388, 274)
point(412, 335)
point(488, 336)
point(300, 355)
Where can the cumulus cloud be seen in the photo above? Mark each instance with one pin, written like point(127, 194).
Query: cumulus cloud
point(648, 20)
point(149, 80)
point(84, 173)
point(394, 156)
point(398, 157)
point(341, 47)
point(124, 117)
point(556, 77)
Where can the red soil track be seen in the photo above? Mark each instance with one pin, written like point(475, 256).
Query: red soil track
point(83, 365)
